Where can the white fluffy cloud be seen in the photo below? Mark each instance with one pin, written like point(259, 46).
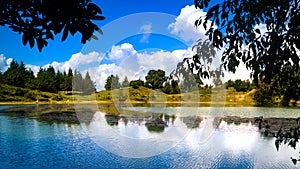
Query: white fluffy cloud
point(124, 60)
point(34, 68)
point(121, 51)
point(100, 73)
point(137, 66)
point(134, 65)
point(241, 73)
point(184, 28)
point(183, 53)
point(184, 24)
point(158, 60)
point(4, 63)
point(77, 61)
point(90, 62)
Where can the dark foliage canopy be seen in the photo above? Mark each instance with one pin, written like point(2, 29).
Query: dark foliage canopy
point(112, 82)
point(136, 83)
point(234, 25)
point(39, 20)
point(271, 53)
point(47, 79)
point(155, 79)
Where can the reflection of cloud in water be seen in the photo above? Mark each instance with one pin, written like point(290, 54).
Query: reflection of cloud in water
point(133, 140)
point(239, 137)
point(134, 130)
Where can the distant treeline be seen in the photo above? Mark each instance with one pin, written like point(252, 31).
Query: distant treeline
point(284, 88)
point(240, 85)
point(157, 79)
point(47, 79)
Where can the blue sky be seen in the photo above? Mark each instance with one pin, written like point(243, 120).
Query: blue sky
point(11, 42)
point(139, 35)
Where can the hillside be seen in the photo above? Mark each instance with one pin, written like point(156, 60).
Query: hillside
point(17, 94)
point(206, 97)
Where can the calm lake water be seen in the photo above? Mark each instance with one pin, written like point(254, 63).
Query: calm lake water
point(178, 138)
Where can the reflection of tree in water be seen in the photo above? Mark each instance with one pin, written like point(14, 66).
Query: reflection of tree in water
point(191, 121)
point(156, 124)
point(232, 120)
point(137, 119)
point(112, 120)
point(85, 115)
point(54, 112)
point(125, 120)
point(169, 118)
point(216, 122)
point(285, 130)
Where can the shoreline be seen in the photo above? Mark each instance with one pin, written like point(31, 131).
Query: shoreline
point(135, 103)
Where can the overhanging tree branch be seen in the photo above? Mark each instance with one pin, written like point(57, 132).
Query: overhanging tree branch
point(39, 20)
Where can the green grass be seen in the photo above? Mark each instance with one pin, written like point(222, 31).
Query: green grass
point(16, 94)
point(145, 95)
point(141, 95)
point(125, 94)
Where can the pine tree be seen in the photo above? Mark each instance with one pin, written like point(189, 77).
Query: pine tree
point(66, 84)
point(70, 72)
point(78, 84)
point(89, 86)
point(125, 83)
point(12, 76)
point(112, 82)
point(108, 82)
point(47, 80)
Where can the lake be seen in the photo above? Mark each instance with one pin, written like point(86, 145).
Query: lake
point(144, 137)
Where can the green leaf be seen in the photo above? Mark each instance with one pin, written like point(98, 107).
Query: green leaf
point(257, 31)
point(206, 3)
point(31, 41)
point(98, 18)
point(196, 4)
point(58, 28)
point(25, 38)
point(239, 55)
point(204, 24)
point(93, 7)
point(223, 23)
point(100, 31)
point(73, 29)
point(196, 22)
point(40, 43)
point(217, 21)
point(49, 35)
point(294, 161)
point(94, 37)
point(209, 14)
point(224, 15)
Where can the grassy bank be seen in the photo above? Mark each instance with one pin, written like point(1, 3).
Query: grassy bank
point(142, 95)
point(218, 96)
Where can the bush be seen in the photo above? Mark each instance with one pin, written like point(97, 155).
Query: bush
point(136, 83)
point(239, 85)
point(20, 92)
point(31, 95)
point(58, 97)
point(264, 96)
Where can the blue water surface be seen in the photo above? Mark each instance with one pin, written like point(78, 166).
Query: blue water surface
point(29, 143)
